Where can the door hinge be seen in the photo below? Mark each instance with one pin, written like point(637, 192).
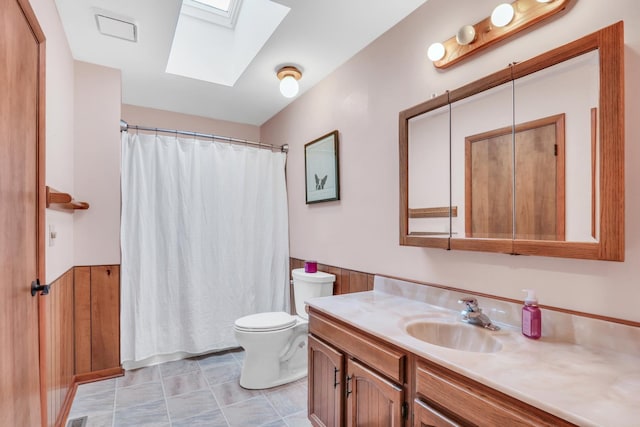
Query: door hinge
point(555, 149)
point(37, 287)
point(404, 410)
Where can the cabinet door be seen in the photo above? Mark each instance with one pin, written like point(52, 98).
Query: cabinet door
point(326, 384)
point(371, 399)
point(425, 416)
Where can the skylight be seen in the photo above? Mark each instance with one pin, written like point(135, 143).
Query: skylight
point(216, 46)
point(223, 5)
point(220, 12)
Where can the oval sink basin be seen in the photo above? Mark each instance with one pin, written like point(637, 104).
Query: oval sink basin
point(458, 336)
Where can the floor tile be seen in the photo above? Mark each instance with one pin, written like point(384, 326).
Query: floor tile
point(276, 423)
point(252, 412)
point(218, 374)
point(148, 414)
point(213, 418)
point(215, 359)
point(138, 394)
point(202, 391)
point(185, 383)
point(191, 404)
point(93, 404)
point(139, 376)
point(298, 420)
point(288, 400)
point(230, 392)
point(96, 387)
point(179, 367)
point(103, 420)
point(239, 355)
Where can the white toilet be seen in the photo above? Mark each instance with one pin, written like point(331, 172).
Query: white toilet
point(275, 343)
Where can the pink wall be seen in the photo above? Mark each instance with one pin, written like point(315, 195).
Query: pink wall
point(150, 117)
point(362, 100)
point(59, 133)
point(97, 164)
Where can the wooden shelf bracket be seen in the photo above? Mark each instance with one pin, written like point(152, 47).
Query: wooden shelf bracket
point(63, 201)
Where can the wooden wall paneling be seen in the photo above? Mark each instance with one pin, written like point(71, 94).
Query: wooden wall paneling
point(59, 349)
point(344, 281)
point(66, 351)
point(358, 282)
point(336, 271)
point(105, 317)
point(294, 263)
point(82, 312)
point(347, 281)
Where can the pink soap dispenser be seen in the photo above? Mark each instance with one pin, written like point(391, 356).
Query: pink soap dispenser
point(531, 316)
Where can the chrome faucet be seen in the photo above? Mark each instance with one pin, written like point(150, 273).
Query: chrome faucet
point(473, 314)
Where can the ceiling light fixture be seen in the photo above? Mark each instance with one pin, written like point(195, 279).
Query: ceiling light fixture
point(289, 77)
point(505, 20)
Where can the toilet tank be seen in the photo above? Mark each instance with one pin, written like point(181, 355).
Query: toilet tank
point(310, 285)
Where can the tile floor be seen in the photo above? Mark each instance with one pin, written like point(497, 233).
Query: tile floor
point(202, 391)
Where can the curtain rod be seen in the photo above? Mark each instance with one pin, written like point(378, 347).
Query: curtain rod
point(125, 127)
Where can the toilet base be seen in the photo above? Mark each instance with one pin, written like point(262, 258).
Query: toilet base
point(280, 381)
point(262, 369)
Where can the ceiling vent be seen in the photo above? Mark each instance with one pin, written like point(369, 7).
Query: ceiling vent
point(117, 27)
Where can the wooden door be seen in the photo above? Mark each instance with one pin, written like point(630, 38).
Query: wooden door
point(539, 205)
point(326, 384)
point(372, 401)
point(21, 212)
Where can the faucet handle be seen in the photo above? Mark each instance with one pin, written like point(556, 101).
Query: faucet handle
point(470, 302)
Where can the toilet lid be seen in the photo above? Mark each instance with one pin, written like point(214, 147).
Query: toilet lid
point(265, 322)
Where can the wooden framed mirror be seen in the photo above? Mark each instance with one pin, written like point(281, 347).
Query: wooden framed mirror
point(587, 202)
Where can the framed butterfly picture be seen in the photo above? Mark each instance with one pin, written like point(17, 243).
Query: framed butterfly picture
point(322, 183)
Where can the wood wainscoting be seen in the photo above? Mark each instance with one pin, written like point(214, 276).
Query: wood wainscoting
point(97, 314)
point(82, 334)
point(347, 281)
point(59, 348)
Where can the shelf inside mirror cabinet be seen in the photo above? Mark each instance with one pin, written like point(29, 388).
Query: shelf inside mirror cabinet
point(63, 201)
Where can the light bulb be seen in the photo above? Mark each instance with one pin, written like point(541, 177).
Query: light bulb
point(544, 1)
point(436, 52)
point(289, 87)
point(502, 15)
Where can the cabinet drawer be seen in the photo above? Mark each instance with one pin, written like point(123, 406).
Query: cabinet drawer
point(383, 358)
point(425, 416)
point(475, 403)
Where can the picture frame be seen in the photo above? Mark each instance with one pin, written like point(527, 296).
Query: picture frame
point(321, 172)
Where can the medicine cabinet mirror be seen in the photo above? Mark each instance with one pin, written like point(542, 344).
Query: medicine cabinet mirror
point(528, 160)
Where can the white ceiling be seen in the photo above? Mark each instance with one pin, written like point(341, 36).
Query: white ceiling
point(316, 35)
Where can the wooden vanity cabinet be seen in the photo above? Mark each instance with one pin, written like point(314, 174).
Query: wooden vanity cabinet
point(354, 380)
point(445, 398)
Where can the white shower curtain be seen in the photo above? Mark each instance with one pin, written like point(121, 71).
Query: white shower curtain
point(204, 239)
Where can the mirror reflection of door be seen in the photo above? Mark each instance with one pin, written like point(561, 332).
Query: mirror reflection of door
point(538, 210)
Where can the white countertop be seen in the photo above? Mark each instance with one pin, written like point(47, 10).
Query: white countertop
point(583, 385)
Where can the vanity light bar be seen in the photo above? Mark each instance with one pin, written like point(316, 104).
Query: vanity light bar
point(474, 38)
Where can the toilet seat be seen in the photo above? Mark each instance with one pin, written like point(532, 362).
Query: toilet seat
point(265, 322)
